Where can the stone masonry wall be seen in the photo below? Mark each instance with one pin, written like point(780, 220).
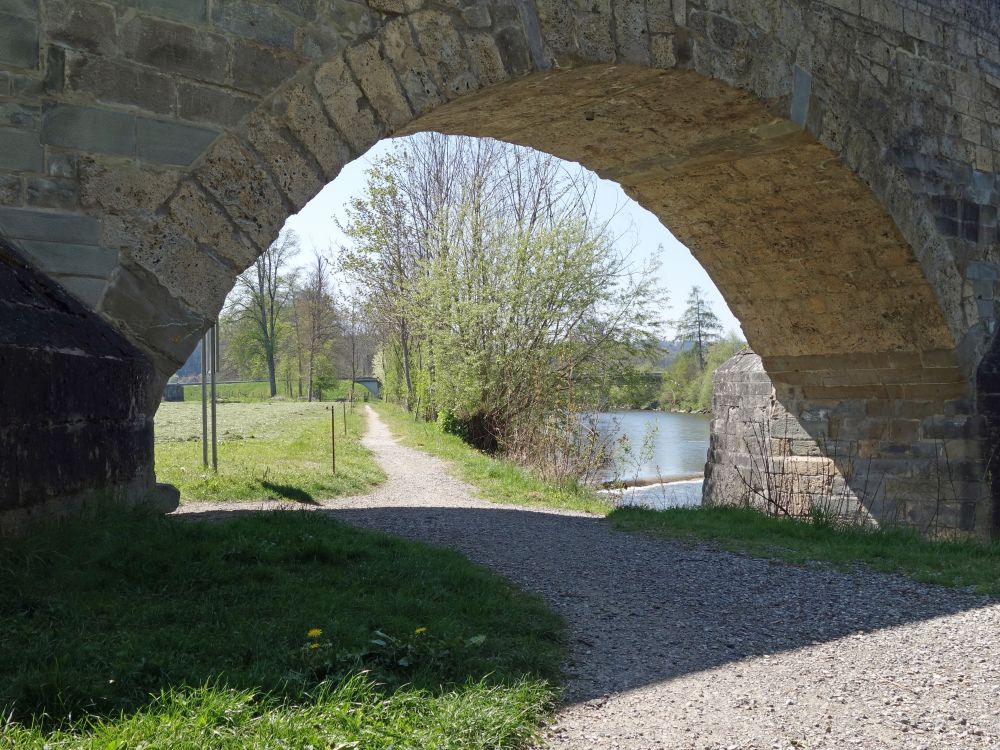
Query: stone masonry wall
point(832, 163)
point(76, 402)
point(793, 456)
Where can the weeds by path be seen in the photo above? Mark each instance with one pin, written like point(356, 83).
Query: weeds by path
point(498, 480)
point(268, 451)
point(895, 550)
point(122, 629)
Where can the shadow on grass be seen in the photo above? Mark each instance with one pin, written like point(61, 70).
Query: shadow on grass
point(289, 492)
point(99, 614)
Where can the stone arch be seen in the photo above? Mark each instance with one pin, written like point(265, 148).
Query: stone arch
point(881, 112)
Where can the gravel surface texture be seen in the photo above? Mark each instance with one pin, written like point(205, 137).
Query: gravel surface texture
point(678, 645)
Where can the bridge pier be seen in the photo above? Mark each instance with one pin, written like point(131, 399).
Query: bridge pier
point(916, 458)
point(77, 403)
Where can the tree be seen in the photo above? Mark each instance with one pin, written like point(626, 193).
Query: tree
point(260, 296)
point(500, 292)
point(316, 322)
point(698, 325)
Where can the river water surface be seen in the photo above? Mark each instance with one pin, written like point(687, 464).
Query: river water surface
point(662, 452)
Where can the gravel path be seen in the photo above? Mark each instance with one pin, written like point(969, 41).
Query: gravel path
point(682, 646)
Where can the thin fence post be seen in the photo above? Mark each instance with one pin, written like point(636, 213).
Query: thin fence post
point(333, 436)
point(204, 399)
point(345, 419)
point(215, 367)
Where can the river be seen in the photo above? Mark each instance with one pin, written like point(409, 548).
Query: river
point(663, 453)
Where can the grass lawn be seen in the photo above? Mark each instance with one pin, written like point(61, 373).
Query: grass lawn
point(498, 480)
point(122, 630)
point(951, 563)
point(270, 450)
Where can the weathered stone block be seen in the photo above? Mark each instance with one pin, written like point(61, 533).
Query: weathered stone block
point(187, 272)
point(295, 174)
point(245, 190)
point(166, 142)
point(18, 42)
point(89, 129)
point(258, 21)
point(444, 52)
point(212, 104)
point(175, 48)
point(411, 67)
point(16, 115)
point(59, 258)
point(305, 118)
point(631, 31)
point(378, 81)
point(165, 327)
point(22, 8)
point(87, 289)
point(21, 151)
point(109, 81)
point(184, 10)
point(123, 187)
point(486, 61)
point(196, 215)
point(10, 190)
point(261, 69)
point(345, 104)
point(30, 224)
point(51, 192)
point(81, 24)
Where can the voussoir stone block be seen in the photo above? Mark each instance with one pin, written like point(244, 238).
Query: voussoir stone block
point(444, 52)
point(246, 192)
point(411, 67)
point(306, 118)
point(344, 103)
point(196, 214)
point(295, 174)
point(379, 84)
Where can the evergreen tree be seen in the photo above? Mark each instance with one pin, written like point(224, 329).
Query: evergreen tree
point(699, 325)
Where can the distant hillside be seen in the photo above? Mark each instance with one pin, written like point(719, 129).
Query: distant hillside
point(669, 351)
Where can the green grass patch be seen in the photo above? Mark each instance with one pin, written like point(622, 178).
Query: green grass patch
point(498, 480)
point(278, 450)
point(126, 630)
point(892, 550)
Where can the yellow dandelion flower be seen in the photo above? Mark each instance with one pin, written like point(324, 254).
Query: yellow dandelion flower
point(418, 631)
point(315, 633)
point(314, 646)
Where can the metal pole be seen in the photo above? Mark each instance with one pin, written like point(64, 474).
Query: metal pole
point(204, 399)
point(215, 366)
point(333, 436)
point(345, 419)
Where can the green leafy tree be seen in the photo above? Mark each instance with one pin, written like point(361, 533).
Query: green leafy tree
point(259, 300)
point(698, 325)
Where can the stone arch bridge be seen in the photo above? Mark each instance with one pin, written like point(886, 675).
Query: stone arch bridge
point(832, 164)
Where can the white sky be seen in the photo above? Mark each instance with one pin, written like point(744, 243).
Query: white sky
point(679, 270)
